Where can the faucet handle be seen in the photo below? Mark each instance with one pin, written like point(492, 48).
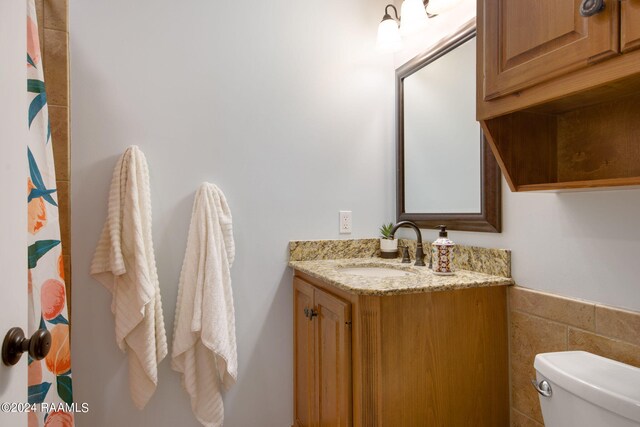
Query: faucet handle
point(405, 255)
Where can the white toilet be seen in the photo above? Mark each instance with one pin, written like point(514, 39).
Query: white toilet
point(580, 389)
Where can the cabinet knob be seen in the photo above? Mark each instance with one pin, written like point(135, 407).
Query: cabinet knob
point(591, 7)
point(310, 313)
point(15, 343)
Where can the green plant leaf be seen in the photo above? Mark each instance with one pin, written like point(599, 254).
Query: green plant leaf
point(385, 230)
point(38, 249)
point(38, 392)
point(65, 388)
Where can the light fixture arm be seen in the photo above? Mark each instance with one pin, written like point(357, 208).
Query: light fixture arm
point(430, 15)
point(395, 11)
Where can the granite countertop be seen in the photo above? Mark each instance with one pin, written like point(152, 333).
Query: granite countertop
point(417, 279)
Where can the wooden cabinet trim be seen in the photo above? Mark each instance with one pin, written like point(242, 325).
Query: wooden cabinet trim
point(327, 306)
point(590, 40)
point(303, 362)
point(630, 25)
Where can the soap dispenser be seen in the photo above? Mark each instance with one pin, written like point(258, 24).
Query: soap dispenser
point(442, 254)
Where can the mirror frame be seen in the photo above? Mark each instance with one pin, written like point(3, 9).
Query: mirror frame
point(490, 217)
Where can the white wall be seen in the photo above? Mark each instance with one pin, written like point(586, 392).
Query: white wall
point(583, 245)
point(285, 105)
point(288, 108)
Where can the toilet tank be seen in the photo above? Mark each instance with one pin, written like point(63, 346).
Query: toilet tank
point(588, 390)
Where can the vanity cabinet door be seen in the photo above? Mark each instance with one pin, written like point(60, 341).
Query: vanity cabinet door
point(630, 25)
point(333, 360)
point(304, 349)
point(527, 42)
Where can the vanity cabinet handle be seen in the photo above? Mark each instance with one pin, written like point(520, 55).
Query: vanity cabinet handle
point(310, 313)
point(591, 7)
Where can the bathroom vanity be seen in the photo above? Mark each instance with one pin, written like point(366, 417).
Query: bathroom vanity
point(378, 348)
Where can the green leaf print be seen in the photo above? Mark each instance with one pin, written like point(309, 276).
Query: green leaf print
point(38, 249)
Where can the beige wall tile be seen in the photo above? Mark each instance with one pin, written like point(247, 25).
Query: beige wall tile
point(55, 14)
point(541, 322)
point(603, 346)
point(530, 335)
point(65, 216)
point(518, 419)
point(56, 67)
point(524, 397)
point(59, 118)
point(616, 323)
point(564, 310)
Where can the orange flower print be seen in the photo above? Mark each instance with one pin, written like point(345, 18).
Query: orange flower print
point(37, 213)
point(61, 267)
point(59, 358)
point(33, 420)
point(33, 43)
point(59, 419)
point(35, 373)
point(52, 298)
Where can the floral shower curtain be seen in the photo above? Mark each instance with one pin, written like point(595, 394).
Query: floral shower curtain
point(49, 379)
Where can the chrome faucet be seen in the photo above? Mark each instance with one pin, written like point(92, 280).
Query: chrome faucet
point(419, 250)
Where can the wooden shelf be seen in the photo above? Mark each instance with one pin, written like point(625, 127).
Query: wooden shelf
point(582, 185)
point(570, 145)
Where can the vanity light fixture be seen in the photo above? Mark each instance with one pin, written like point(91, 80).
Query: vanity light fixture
point(414, 17)
point(388, 31)
point(414, 14)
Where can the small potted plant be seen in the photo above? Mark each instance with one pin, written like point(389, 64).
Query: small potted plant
point(388, 245)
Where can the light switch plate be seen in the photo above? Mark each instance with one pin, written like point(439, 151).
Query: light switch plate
point(345, 222)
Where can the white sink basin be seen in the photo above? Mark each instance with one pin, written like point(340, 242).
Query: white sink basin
point(375, 271)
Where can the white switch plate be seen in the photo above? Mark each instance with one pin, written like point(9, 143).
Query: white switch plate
point(345, 222)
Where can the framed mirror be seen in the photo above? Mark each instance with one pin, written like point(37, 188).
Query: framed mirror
point(446, 172)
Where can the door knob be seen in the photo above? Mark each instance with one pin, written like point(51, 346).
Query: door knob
point(15, 343)
point(591, 7)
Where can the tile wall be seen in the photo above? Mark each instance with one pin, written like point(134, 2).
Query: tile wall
point(540, 323)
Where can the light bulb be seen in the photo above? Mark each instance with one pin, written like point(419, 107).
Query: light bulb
point(413, 17)
point(389, 36)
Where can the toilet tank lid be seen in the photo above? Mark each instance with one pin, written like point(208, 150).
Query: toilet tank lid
point(601, 381)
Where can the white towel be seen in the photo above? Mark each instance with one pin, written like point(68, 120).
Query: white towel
point(124, 263)
point(204, 339)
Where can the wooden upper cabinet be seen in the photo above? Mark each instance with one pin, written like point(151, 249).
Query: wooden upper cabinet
point(333, 364)
point(304, 348)
point(630, 25)
point(527, 42)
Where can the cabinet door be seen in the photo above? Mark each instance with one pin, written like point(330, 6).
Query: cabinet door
point(333, 360)
point(304, 347)
point(527, 42)
point(630, 25)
